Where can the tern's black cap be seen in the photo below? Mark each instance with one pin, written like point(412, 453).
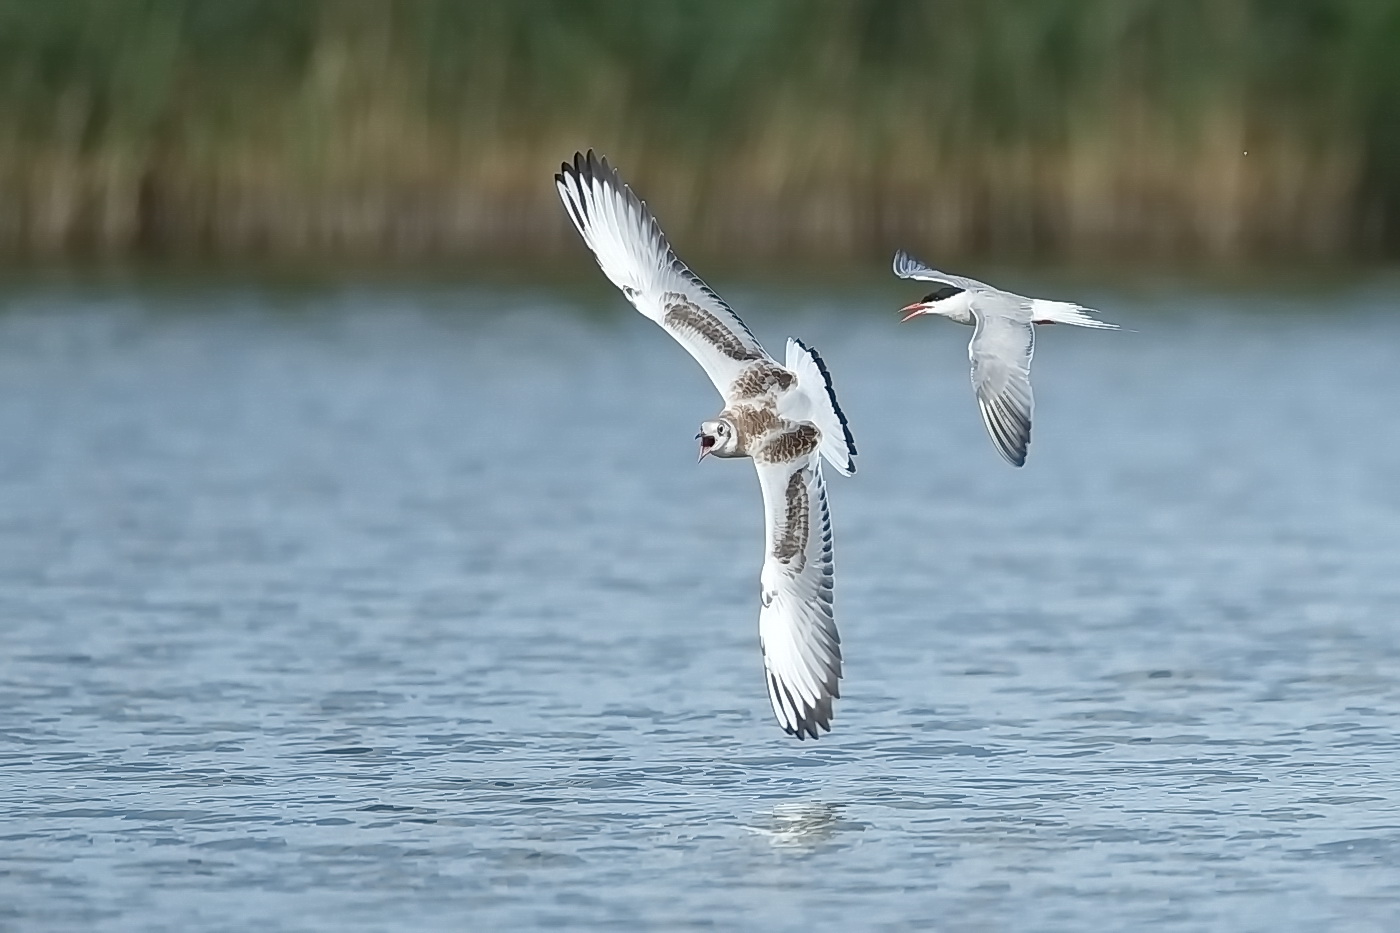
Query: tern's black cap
point(945, 291)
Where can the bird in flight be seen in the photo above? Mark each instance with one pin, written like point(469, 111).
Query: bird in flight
point(785, 418)
point(1003, 340)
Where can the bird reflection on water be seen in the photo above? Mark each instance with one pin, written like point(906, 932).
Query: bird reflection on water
point(804, 825)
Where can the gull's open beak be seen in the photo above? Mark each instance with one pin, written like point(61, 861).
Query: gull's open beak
point(707, 444)
point(913, 311)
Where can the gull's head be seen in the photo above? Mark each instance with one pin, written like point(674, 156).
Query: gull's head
point(940, 301)
point(718, 438)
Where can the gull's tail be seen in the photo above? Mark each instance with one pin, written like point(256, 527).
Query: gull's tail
point(837, 445)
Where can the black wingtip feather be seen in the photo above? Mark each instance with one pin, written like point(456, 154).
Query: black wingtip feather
point(804, 721)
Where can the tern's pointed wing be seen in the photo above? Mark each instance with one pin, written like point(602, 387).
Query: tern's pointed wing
point(633, 253)
point(1000, 351)
point(907, 267)
point(796, 626)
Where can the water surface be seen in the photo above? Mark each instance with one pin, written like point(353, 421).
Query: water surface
point(409, 609)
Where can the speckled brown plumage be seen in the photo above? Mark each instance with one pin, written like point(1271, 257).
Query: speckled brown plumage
point(791, 547)
point(797, 441)
point(759, 379)
point(752, 423)
point(686, 316)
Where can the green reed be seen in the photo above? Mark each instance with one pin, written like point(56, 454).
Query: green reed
point(803, 127)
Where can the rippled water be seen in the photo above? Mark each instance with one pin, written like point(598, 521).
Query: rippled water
point(378, 609)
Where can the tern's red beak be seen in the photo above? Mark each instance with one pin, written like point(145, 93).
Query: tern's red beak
point(913, 311)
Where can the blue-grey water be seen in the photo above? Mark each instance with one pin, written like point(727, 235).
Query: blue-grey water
point(383, 608)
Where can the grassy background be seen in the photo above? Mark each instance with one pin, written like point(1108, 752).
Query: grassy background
point(1157, 129)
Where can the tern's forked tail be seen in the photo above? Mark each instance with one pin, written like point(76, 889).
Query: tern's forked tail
point(1065, 312)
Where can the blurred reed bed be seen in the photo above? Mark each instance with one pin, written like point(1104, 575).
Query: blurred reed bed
point(1228, 129)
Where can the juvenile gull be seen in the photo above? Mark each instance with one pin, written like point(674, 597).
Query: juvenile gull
point(784, 417)
point(1003, 340)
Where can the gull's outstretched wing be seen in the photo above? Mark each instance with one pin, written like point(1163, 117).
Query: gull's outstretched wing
point(796, 626)
point(634, 255)
point(1000, 351)
point(907, 267)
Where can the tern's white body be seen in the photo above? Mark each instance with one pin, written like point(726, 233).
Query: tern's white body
point(1003, 342)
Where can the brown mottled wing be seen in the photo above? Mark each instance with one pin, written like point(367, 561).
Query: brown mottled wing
point(796, 624)
point(634, 255)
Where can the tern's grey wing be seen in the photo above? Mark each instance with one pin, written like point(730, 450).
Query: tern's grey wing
point(633, 253)
point(907, 267)
point(1001, 350)
point(796, 625)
